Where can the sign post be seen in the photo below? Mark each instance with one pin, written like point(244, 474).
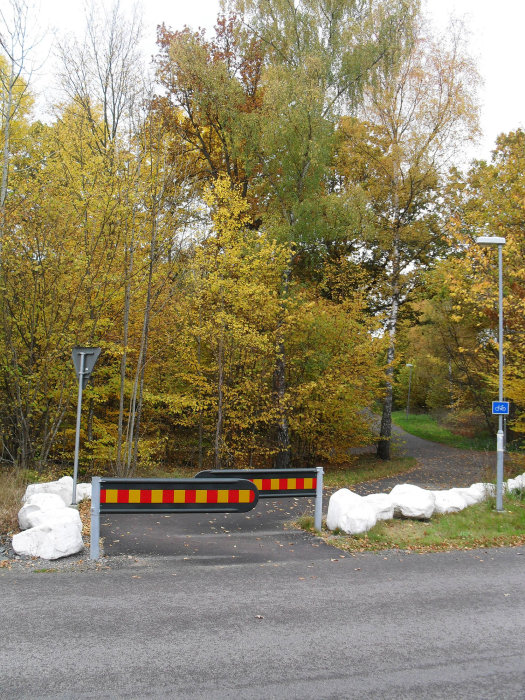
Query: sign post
point(500, 447)
point(84, 360)
point(94, 549)
point(318, 517)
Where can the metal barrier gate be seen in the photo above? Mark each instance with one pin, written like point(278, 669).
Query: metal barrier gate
point(220, 491)
point(167, 496)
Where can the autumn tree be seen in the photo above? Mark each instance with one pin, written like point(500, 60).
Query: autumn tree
point(464, 304)
point(230, 326)
point(420, 107)
point(15, 100)
point(260, 102)
point(109, 91)
point(55, 258)
point(218, 357)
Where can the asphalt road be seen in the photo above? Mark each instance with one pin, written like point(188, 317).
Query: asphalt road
point(243, 606)
point(316, 626)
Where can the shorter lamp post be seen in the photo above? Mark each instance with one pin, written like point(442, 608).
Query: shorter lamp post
point(409, 365)
point(500, 242)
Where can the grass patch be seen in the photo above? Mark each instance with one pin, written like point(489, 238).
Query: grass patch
point(366, 468)
point(171, 473)
point(12, 488)
point(475, 527)
point(427, 427)
point(45, 571)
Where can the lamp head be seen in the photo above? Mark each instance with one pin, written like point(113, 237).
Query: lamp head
point(490, 240)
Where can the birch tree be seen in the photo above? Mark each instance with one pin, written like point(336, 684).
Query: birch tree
point(419, 109)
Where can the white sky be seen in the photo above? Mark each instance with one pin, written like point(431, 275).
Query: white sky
point(496, 42)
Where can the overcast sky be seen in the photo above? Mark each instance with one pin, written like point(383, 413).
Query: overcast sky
point(496, 42)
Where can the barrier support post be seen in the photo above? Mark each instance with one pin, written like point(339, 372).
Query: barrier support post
point(318, 518)
point(94, 546)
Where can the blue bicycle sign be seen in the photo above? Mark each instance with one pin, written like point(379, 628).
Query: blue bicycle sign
point(500, 407)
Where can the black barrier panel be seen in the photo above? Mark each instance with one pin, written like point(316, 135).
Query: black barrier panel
point(177, 495)
point(271, 483)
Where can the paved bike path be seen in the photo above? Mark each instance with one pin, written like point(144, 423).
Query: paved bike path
point(438, 466)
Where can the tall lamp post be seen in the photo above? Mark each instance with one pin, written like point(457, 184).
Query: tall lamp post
point(500, 242)
point(409, 385)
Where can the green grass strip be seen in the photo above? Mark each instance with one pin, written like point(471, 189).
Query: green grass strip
point(426, 427)
point(475, 527)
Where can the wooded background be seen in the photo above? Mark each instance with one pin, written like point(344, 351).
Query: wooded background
point(259, 238)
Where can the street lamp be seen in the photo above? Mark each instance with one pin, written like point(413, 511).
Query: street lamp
point(409, 384)
point(500, 242)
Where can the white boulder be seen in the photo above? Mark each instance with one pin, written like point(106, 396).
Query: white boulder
point(479, 491)
point(67, 483)
point(349, 512)
point(46, 501)
point(449, 501)
point(473, 494)
point(49, 541)
point(38, 503)
point(339, 503)
point(36, 518)
point(61, 488)
point(26, 512)
point(360, 517)
point(412, 502)
point(517, 483)
point(83, 492)
point(382, 504)
point(520, 481)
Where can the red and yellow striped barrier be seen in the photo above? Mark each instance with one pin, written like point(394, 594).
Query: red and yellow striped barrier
point(168, 496)
point(175, 495)
point(271, 483)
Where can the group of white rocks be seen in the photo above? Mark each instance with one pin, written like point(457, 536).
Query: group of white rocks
point(354, 514)
point(50, 527)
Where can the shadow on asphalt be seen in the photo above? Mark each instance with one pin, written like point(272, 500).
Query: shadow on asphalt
point(262, 535)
